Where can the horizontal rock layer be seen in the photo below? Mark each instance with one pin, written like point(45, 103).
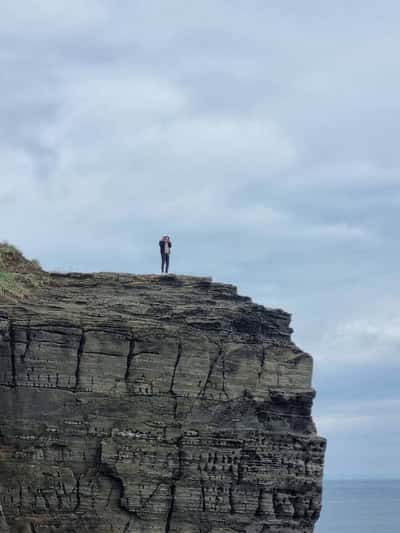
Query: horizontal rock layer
point(154, 404)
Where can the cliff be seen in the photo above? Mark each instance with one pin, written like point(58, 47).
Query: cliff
point(151, 404)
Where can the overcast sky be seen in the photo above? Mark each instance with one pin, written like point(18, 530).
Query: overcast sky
point(263, 136)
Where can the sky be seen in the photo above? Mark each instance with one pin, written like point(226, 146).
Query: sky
point(262, 136)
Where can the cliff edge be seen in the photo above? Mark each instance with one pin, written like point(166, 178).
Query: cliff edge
point(152, 404)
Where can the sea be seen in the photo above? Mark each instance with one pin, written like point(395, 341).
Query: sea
point(360, 507)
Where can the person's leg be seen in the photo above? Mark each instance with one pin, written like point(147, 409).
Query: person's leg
point(162, 262)
point(167, 262)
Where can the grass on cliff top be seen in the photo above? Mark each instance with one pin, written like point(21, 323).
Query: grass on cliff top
point(18, 275)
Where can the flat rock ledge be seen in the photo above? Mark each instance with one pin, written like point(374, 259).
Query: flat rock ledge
point(153, 404)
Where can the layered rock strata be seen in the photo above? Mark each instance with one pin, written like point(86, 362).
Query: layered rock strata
point(153, 404)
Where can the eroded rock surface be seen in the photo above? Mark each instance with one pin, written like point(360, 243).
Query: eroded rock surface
point(154, 404)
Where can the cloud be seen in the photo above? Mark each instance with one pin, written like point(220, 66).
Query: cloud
point(41, 18)
point(381, 333)
point(373, 340)
point(365, 416)
point(266, 145)
point(337, 232)
point(148, 125)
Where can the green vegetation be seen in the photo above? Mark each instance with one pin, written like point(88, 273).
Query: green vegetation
point(11, 286)
point(6, 252)
point(18, 275)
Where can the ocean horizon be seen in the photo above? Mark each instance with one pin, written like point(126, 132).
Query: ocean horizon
point(360, 506)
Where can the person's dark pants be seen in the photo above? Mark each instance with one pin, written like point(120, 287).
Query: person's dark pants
point(164, 262)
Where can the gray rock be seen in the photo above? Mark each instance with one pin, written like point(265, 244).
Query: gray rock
point(3, 523)
point(153, 404)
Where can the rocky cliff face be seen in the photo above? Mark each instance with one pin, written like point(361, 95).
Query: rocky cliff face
point(153, 404)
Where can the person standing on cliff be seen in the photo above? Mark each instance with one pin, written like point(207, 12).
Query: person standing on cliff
point(165, 250)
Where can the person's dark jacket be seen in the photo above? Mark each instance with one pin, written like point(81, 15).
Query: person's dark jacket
point(161, 243)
